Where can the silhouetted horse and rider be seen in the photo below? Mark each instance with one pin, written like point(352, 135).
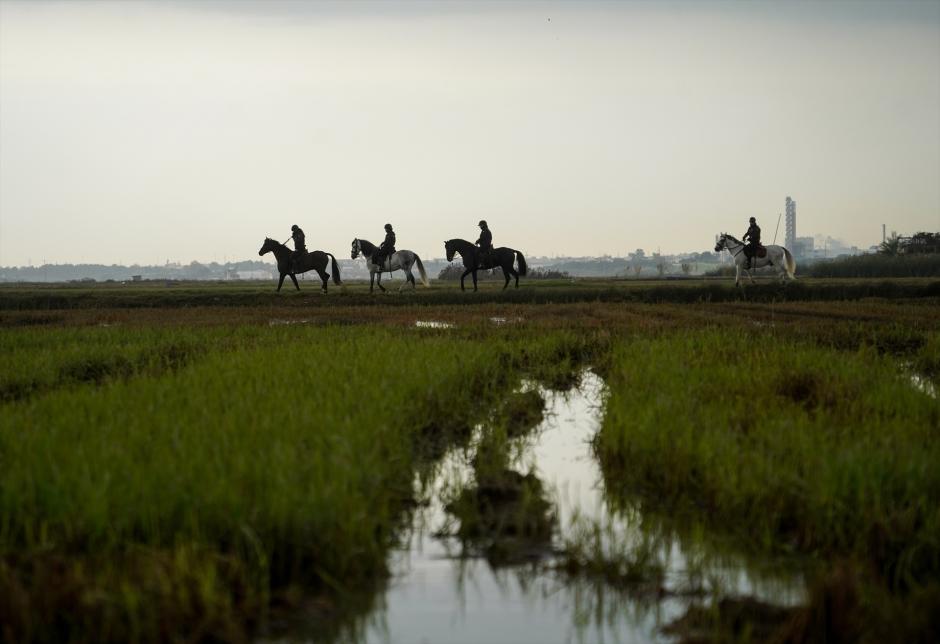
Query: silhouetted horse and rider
point(482, 256)
point(384, 258)
point(290, 262)
point(749, 253)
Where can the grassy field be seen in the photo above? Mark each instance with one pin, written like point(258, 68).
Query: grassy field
point(184, 461)
point(356, 293)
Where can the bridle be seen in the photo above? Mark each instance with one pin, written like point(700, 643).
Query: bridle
point(740, 246)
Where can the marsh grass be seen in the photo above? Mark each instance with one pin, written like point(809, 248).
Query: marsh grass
point(795, 446)
point(57, 297)
point(167, 496)
point(41, 360)
point(248, 455)
point(189, 469)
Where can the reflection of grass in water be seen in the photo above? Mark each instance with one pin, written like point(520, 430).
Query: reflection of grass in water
point(630, 563)
point(504, 513)
point(927, 360)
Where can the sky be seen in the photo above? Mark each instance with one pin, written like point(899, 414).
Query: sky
point(142, 132)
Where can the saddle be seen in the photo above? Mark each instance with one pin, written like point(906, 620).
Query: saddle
point(761, 251)
point(298, 260)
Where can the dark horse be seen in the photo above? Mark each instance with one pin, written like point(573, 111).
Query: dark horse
point(473, 260)
point(315, 261)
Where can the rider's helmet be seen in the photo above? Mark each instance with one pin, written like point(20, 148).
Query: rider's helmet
point(482, 223)
point(752, 220)
point(388, 227)
point(295, 227)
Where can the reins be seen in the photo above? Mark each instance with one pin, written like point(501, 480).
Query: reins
point(739, 245)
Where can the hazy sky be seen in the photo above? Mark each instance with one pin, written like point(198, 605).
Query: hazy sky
point(146, 131)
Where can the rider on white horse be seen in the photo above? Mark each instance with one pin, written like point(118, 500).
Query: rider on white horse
point(386, 248)
point(776, 256)
point(753, 236)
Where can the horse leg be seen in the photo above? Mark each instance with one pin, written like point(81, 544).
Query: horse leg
point(474, 281)
point(506, 276)
point(280, 282)
point(371, 281)
point(513, 272)
point(294, 280)
point(411, 278)
point(325, 278)
point(465, 273)
point(379, 283)
point(737, 274)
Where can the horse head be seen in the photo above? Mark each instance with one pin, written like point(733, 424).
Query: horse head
point(722, 240)
point(355, 249)
point(268, 245)
point(449, 249)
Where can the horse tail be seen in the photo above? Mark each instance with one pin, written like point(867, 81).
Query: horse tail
point(424, 275)
point(335, 269)
point(791, 264)
point(522, 265)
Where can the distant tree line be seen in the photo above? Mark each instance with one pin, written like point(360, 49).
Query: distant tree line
point(118, 272)
point(878, 265)
point(921, 243)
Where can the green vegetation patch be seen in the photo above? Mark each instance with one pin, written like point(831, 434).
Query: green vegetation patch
point(796, 446)
point(41, 360)
point(161, 495)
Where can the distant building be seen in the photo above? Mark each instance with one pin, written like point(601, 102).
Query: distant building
point(791, 240)
point(803, 247)
point(254, 275)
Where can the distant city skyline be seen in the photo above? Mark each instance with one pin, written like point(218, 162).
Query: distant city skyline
point(146, 131)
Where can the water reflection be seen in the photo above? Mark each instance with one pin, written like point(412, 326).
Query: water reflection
point(433, 324)
point(441, 590)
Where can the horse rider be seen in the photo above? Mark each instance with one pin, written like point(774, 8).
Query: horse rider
point(386, 248)
point(485, 242)
point(752, 236)
point(300, 243)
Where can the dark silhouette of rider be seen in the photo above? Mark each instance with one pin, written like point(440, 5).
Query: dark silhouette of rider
point(485, 242)
point(752, 236)
point(386, 248)
point(300, 244)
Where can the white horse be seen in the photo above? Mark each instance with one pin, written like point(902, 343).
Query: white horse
point(399, 260)
point(777, 256)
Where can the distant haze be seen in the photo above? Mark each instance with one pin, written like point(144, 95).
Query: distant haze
point(147, 131)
